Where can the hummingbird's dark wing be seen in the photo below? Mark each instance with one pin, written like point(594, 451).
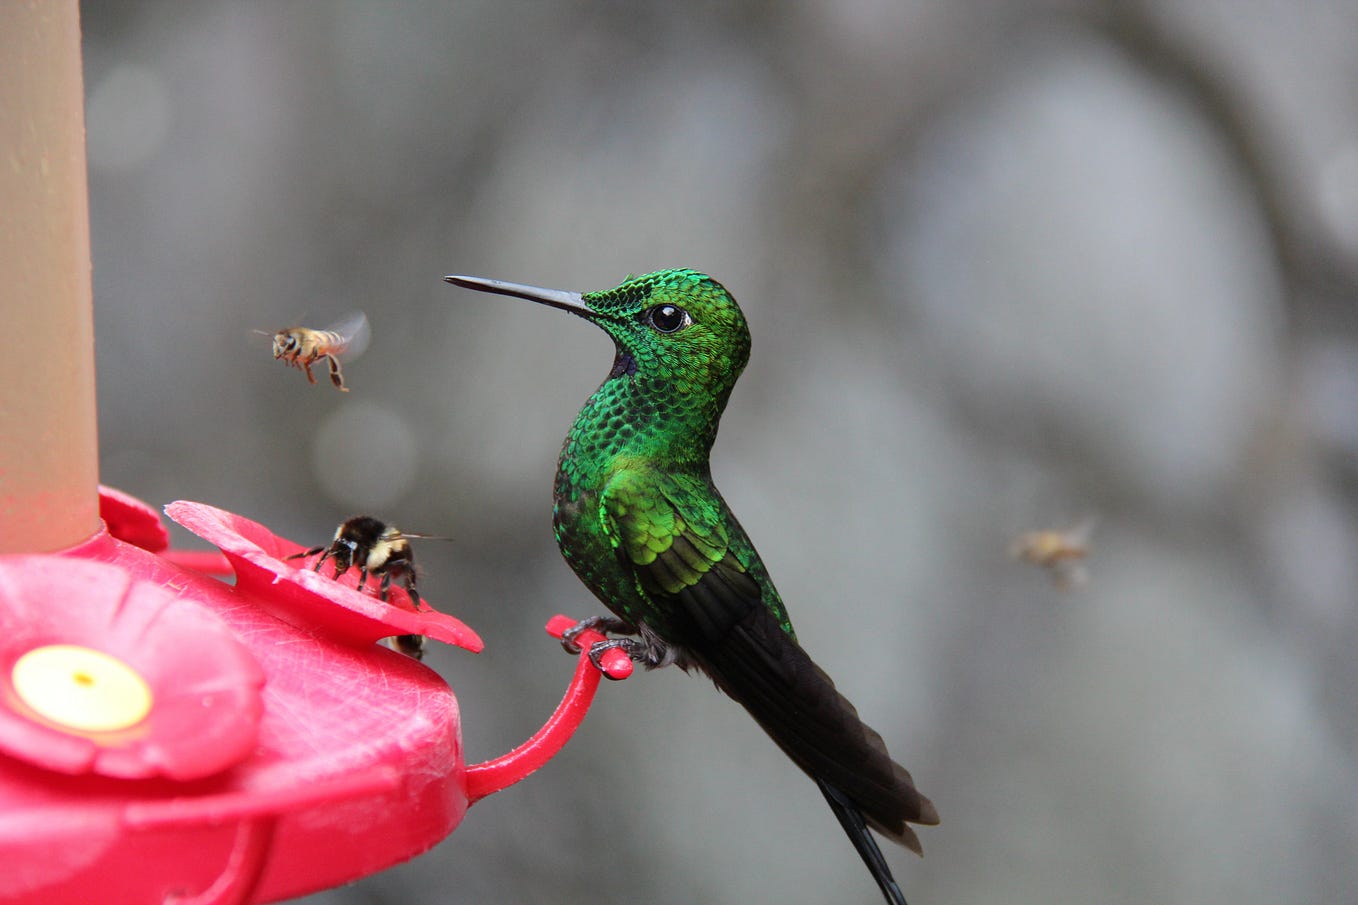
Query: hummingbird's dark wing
point(709, 595)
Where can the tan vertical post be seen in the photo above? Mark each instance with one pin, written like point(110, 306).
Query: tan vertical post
point(49, 466)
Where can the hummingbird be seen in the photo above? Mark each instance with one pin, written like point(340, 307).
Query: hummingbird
point(641, 523)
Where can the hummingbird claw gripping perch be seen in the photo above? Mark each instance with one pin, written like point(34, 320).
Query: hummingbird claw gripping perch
point(600, 649)
point(613, 664)
point(601, 624)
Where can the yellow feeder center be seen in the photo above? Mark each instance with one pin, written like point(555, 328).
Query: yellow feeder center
point(81, 688)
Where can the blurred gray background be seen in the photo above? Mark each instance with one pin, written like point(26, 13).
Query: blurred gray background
point(1007, 265)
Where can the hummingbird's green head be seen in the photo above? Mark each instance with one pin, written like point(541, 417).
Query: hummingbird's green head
point(677, 326)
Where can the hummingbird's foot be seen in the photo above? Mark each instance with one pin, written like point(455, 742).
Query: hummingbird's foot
point(630, 646)
point(602, 624)
point(648, 649)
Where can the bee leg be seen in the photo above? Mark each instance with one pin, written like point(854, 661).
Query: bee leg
point(341, 564)
point(320, 562)
point(386, 586)
point(409, 579)
point(305, 553)
point(335, 376)
point(362, 576)
point(306, 366)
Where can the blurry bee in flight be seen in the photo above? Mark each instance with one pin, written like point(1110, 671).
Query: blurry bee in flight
point(302, 347)
point(375, 548)
point(1061, 553)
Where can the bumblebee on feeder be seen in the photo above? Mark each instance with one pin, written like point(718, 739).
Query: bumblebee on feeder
point(380, 549)
point(302, 347)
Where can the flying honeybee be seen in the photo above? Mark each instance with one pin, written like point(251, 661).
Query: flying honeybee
point(302, 347)
point(375, 548)
point(1061, 553)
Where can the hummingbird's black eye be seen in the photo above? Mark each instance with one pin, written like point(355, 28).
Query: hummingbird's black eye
point(668, 318)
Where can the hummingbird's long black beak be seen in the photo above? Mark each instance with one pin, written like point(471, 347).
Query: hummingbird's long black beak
point(557, 298)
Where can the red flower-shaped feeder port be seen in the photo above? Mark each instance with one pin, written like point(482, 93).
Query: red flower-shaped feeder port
point(165, 736)
point(119, 678)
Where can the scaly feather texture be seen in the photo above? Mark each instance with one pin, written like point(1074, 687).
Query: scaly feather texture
point(641, 523)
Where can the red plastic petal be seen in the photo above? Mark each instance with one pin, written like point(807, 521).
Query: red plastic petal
point(129, 519)
point(311, 600)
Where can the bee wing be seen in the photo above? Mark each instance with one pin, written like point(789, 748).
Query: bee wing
point(353, 333)
point(1077, 535)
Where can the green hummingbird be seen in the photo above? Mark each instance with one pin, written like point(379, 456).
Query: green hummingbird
point(641, 523)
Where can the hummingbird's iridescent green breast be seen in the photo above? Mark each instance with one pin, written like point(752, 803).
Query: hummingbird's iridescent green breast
point(681, 344)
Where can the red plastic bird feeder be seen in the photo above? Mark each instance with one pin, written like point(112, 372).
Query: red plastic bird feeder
point(166, 737)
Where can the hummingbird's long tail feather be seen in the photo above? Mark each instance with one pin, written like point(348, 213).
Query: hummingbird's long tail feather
point(852, 820)
point(759, 665)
